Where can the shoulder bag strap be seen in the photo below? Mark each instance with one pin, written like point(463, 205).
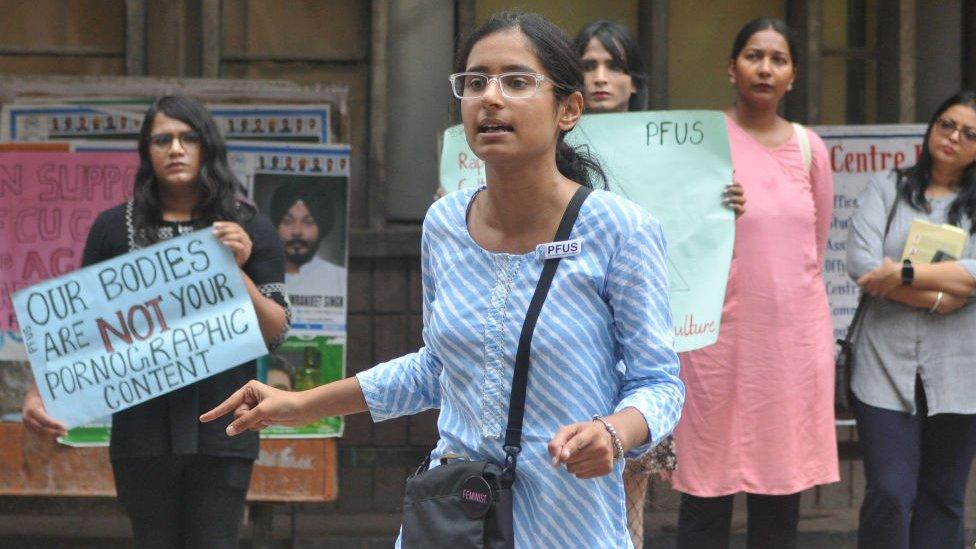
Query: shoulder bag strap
point(803, 140)
point(859, 312)
point(516, 408)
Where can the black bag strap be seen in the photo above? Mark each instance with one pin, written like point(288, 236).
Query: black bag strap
point(859, 312)
point(516, 407)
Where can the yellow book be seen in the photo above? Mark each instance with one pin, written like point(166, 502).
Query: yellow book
point(925, 239)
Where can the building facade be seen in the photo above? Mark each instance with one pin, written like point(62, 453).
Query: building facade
point(861, 62)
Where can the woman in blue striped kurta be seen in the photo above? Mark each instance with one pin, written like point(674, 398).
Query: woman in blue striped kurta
point(603, 342)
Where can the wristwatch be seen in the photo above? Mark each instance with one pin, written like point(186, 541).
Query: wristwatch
point(907, 273)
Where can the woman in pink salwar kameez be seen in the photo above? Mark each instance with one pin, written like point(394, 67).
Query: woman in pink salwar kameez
point(759, 415)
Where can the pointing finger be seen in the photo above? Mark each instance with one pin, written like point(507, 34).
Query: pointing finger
point(233, 401)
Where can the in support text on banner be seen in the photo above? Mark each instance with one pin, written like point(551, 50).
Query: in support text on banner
point(48, 201)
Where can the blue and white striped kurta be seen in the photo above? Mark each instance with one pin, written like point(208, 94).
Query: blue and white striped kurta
point(603, 342)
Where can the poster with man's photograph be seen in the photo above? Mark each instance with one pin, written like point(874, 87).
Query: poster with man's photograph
point(309, 213)
point(303, 191)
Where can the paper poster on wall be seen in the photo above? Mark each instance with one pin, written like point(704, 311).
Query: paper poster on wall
point(122, 120)
point(95, 433)
point(11, 347)
point(303, 190)
point(292, 123)
point(303, 363)
point(129, 329)
point(48, 202)
point(675, 164)
point(857, 153)
point(53, 122)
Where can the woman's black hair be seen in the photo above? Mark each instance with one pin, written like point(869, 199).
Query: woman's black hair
point(761, 24)
point(625, 52)
point(220, 190)
point(558, 59)
point(914, 180)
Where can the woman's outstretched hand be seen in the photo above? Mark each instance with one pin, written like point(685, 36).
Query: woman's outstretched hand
point(257, 406)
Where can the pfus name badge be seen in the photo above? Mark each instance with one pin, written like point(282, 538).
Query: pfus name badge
point(476, 497)
point(564, 248)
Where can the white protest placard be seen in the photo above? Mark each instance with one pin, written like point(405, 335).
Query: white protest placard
point(121, 332)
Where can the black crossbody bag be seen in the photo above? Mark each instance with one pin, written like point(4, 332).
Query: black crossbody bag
point(463, 503)
point(844, 360)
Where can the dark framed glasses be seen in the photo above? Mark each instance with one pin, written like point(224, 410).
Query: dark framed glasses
point(188, 140)
point(947, 127)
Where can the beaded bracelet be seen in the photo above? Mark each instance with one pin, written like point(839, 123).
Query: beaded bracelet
point(618, 447)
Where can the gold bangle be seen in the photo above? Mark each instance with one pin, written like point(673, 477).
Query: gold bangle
point(935, 306)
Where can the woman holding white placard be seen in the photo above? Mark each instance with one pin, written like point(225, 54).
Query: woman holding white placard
point(183, 484)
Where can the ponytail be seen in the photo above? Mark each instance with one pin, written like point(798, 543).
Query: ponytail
point(579, 165)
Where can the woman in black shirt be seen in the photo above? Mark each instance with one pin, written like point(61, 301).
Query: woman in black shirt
point(183, 483)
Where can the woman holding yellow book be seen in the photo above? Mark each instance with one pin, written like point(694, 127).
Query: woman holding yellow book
point(914, 376)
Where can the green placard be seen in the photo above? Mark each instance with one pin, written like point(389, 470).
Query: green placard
point(92, 434)
point(675, 164)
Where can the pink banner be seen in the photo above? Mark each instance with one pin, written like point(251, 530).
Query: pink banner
point(48, 201)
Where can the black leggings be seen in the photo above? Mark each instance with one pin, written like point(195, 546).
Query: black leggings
point(184, 501)
point(704, 523)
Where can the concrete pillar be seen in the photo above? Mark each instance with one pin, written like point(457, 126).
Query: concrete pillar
point(939, 28)
point(420, 55)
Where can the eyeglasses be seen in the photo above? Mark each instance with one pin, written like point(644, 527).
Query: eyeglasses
point(188, 140)
point(514, 85)
point(947, 127)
